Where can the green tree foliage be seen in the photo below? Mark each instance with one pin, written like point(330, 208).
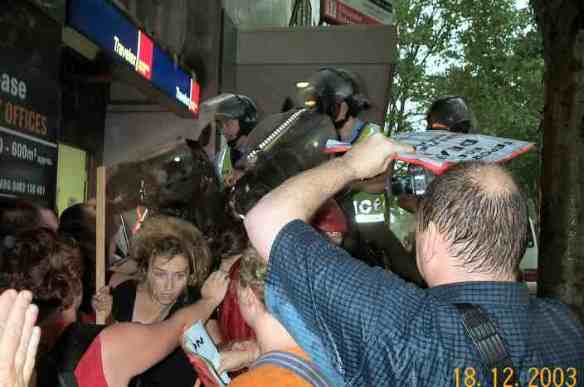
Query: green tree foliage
point(488, 52)
point(427, 33)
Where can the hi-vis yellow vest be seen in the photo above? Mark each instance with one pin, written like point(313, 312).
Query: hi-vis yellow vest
point(369, 208)
point(224, 165)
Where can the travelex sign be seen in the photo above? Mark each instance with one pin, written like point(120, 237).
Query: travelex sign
point(142, 61)
point(106, 26)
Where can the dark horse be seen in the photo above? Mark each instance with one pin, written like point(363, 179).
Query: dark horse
point(281, 146)
point(179, 179)
point(176, 179)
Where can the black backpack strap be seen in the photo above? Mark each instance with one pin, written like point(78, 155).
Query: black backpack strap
point(482, 331)
point(304, 369)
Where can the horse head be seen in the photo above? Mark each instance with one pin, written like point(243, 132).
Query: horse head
point(281, 146)
point(176, 179)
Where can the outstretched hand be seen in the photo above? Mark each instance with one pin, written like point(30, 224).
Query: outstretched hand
point(373, 156)
point(238, 355)
point(19, 338)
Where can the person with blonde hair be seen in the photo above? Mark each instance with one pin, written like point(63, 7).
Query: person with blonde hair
point(281, 362)
point(173, 260)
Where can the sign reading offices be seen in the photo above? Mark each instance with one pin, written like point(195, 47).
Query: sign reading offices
point(132, 46)
point(357, 11)
point(29, 103)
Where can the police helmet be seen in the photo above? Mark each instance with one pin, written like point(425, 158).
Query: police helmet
point(329, 88)
point(241, 108)
point(450, 113)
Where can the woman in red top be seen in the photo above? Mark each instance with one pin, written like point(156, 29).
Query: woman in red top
point(124, 350)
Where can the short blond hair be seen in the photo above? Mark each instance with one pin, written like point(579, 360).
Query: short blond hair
point(253, 271)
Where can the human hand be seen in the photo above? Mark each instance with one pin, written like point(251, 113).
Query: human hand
point(238, 355)
point(102, 301)
point(215, 287)
point(19, 338)
point(373, 156)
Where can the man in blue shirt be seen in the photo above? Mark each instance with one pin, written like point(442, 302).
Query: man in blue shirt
point(378, 330)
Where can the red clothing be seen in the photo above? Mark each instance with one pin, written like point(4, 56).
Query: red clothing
point(89, 371)
point(330, 217)
point(233, 326)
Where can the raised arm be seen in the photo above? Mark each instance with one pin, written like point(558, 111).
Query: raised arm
point(300, 196)
point(19, 338)
point(129, 349)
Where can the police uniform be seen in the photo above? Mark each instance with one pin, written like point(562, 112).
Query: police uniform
point(365, 211)
point(370, 218)
point(223, 164)
point(368, 207)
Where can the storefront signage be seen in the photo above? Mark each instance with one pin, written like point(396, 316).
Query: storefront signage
point(27, 166)
point(357, 11)
point(106, 26)
point(30, 102)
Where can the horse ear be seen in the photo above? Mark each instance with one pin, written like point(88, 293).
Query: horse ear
point(193, 144)
point(288, 104)
point(205, 136)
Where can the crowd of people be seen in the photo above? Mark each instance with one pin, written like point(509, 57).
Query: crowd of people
point(283, 300)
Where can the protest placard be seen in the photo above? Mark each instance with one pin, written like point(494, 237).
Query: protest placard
point(437, 150)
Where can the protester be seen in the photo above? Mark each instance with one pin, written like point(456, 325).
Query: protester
point(37, 260)
point(20, 213)
point(124, 350)
point(231, 323)
point(282, 361)
point(77, 224)
point(378, 330)
point(19, 338)
point(174, 261)
point(52, 270)
point(17, 214)
point(48, 219)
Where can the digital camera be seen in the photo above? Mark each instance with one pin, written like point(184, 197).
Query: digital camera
point(414, 182)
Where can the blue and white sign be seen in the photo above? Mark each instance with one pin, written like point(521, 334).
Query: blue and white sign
point(106, 26)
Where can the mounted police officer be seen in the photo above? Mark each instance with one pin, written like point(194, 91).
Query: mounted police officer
point(450, 113)
point(338, 93)
point(236, 116)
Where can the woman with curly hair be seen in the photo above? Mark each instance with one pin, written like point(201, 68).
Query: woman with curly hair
point(174, 261)
point(35, 259)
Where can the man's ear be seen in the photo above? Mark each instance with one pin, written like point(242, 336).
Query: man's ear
point(431, 243)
